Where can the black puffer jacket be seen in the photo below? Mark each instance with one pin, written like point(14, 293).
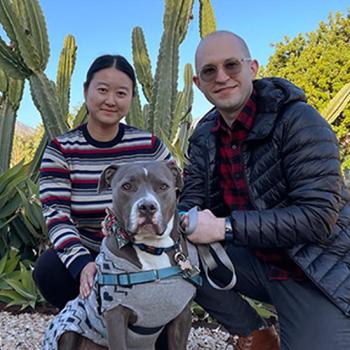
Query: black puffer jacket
point(292, 168)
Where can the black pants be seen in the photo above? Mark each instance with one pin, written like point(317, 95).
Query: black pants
point(53, 280)
point(307, 319)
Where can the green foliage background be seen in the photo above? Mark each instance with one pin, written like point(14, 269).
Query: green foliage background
point(318, 62)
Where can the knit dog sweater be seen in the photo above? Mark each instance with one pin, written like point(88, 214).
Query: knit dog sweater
point(155, 304)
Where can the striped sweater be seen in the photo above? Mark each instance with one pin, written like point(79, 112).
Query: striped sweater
point(69, 175)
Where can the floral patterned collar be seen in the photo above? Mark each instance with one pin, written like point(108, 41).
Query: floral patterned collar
point(110, 227)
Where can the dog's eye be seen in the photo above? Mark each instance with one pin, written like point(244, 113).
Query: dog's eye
point(126, 186)
point(163, 187)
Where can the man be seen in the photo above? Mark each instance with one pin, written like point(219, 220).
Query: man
point(263, 166)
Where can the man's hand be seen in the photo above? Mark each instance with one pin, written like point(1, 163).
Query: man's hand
point(87, 276)
point(209, 228)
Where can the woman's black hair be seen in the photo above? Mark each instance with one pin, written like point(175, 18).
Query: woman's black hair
point(107, 61)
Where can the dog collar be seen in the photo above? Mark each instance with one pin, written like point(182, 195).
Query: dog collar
point(110, 227)
point(156, 250)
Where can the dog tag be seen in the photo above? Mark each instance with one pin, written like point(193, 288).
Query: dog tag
point(184, 263)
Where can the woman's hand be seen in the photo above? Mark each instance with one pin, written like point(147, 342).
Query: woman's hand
point(87, 276)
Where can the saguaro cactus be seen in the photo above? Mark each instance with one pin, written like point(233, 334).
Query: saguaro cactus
point(166, 109)
point(27, 56)
point(64, 72)
point(11, 94)
point(62, 90)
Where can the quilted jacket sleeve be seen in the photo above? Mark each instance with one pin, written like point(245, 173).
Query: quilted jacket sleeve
point(310, 167)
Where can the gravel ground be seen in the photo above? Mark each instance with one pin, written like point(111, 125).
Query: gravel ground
point(25, 331)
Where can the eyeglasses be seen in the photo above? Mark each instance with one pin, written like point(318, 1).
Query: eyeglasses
point(231, 67)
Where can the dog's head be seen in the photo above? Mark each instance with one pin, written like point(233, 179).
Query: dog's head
point(144, 195)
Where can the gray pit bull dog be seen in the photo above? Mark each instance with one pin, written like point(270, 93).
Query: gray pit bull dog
point(146, 272)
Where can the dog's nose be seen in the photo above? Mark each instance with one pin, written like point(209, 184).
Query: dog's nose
point(147, 207)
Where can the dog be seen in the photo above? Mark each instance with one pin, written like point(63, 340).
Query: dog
point(145, 279)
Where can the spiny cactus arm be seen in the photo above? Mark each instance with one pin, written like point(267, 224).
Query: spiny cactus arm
point(180, 12)
point(34, 18)
point(11, 62)
point(184, 132)
point(142, 62)
point(184, 101)
point(207, 22)
point(174, 149)
point(135, 117)
point(184, 18)
point(15, 92)
point(23, 38)
point(177, 115)
point(81, 116)
point(165, 85)
point(145, 114)
point(46, 101)
point(64, 72)
point(7, 130)
point(3, 82)
point(5, 20)
point(36, 161)
point(12, 91)
point(337, 104)
point(179, 145)
point(164, 91)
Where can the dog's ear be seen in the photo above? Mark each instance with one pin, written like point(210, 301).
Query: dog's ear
point(106, 177)
point(176, 171)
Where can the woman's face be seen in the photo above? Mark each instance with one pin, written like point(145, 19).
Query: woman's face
point(108, 97)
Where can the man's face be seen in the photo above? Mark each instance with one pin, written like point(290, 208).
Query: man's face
point(228, 92)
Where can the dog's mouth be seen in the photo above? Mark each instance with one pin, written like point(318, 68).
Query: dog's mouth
point(148, 226)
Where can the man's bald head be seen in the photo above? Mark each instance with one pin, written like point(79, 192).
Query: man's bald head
point(226, 58)
point(224, 35)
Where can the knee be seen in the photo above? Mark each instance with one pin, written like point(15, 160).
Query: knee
point(42, 269)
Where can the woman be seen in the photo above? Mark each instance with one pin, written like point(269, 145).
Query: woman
point(69, 176)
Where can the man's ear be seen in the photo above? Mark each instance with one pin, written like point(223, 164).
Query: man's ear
point(195, 79)
point(176, 171)
point(254, 68)
point(106, 177)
